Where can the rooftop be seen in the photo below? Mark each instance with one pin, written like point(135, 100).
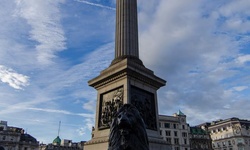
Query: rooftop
point(179, 113)
point(57, 140)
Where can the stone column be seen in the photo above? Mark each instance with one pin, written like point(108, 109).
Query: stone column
point(126, 38)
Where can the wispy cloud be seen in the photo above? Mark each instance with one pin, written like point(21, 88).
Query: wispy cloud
point(240, 88)
point(210, 48)
point(44, 19)
point(95, 4)
point(15, 80)
point(38, 37)
point(88, 118)
point(195, 50)
point(243, 59)
point(89, 123)
point(61, 112)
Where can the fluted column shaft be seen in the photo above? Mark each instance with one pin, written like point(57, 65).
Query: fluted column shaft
point(126, 38)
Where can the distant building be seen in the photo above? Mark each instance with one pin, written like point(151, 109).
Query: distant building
point(3, 125)
point(200, 138)
point(28, 142)
point(14, 138)
point(64, 144)
point(174, 129)
point(230, 134)
point(57, 141)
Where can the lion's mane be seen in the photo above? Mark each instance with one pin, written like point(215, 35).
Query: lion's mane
point(127, 131)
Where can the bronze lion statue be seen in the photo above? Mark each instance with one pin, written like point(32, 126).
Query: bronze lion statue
point(127, 131)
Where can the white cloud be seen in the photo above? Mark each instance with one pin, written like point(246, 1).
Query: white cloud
point(95, 4)
point(88, 124)
point(61, 112)
point(81, 131)
point(243, 59)
point(232, 8)
point(240, 88)
point(14, 53)
point(35, 33)
point(46, 29)
point(235, 14)
point(90, 105)
point(15, 80)
point(196, 54)
point(227, 106)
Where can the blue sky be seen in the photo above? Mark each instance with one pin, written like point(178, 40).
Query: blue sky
point(49, 49)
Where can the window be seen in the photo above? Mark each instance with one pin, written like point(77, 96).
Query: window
point(176, 148)
point(176, 141)
point(4, 137)
point(218, 144)
point(168, 133)
point(185, 141)
point(175, 133)
point(169, 140)
point(167, 125)
point(229, 143)
point(160, 132)
point(183, 126)
point(175, 126)
point(240, 140)
point(213, 145)
point(159, 124)
point(184, 134)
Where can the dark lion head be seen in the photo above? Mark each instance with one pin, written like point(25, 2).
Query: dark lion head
point(127, 131)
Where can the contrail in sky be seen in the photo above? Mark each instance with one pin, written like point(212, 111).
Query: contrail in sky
point(95, 4)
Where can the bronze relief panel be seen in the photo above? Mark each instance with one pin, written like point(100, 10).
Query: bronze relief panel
point(110, 102)
point(144, 101)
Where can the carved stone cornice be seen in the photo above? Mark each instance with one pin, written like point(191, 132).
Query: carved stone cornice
point(97, 141)
point(158, 141)
point(129, 69)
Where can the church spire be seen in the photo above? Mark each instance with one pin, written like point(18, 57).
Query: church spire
point(126, 36)
point(59, 128)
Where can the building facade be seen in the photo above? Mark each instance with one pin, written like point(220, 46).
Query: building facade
point(174, 129)
point(14, 138)
point(230, 134)
point(63, 144)
point(199, 138)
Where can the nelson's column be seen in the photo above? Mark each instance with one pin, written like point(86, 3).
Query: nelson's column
point(126, 80)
